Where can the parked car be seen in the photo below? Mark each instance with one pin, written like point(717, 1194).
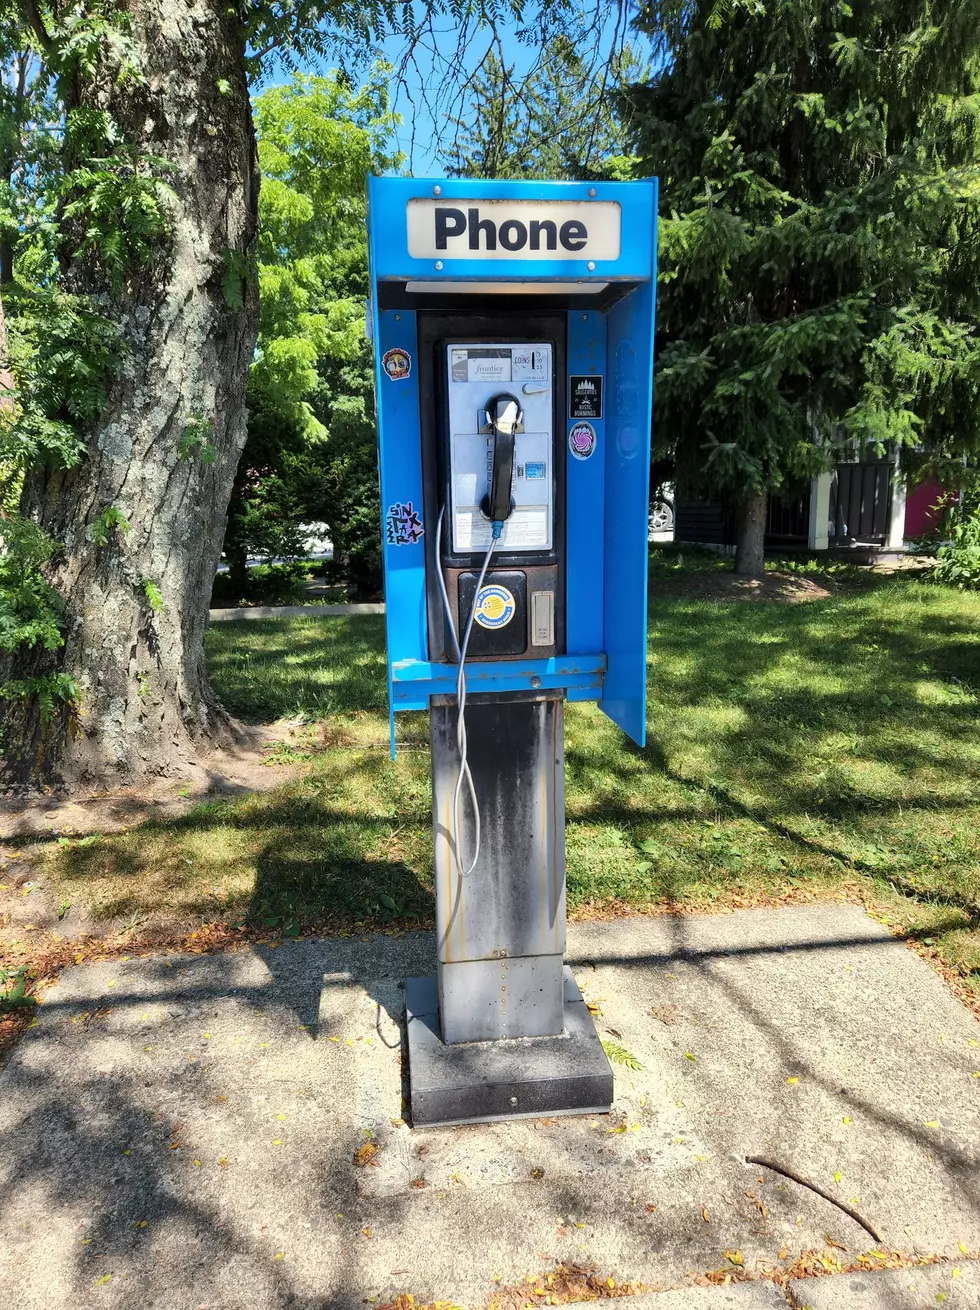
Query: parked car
point(662, 513)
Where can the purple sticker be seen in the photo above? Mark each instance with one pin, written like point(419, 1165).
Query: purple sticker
point(403, 525)
point(581, 440)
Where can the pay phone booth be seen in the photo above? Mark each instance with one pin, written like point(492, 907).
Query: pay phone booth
point(513, 331)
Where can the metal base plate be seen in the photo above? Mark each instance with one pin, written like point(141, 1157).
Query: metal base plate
point(476, 1081)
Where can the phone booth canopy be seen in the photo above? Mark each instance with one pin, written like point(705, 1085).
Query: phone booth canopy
point(513, 330)
point(510, 255)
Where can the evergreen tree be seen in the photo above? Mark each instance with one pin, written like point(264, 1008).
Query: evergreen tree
point(560, 121)
point(820, 237)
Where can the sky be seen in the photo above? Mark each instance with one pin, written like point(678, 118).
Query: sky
point(426, 123)
point(427, 96)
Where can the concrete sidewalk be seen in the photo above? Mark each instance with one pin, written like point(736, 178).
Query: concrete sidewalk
point(180, 1132)
point(253, 612)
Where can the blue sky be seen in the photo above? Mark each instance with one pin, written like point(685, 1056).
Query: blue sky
point(424, 94)
point(424, 124)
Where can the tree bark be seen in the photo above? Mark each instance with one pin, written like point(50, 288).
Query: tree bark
point(145, 706)
point(750, 536)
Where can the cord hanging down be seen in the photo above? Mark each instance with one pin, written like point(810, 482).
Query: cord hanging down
point(464, 774)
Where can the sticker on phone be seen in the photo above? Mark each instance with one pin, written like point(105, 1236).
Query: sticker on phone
point(403, 525)
point(536, 472)
point(581, 440)
point(397, 363)
point(495, 607)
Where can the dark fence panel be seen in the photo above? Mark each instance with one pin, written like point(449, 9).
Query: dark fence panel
point(860, 502)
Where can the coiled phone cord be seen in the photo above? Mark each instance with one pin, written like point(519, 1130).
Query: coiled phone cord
point(464, 774)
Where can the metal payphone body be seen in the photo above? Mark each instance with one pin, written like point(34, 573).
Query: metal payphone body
point(513, 329)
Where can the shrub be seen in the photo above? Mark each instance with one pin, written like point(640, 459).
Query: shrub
point(958, 562)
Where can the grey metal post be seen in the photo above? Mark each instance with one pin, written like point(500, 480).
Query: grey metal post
point(501, 930)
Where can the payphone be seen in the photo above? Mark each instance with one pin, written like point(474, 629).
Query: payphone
point(513, 328)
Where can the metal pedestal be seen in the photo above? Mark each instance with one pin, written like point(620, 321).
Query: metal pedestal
point(469, 1082)
point(503, 1030)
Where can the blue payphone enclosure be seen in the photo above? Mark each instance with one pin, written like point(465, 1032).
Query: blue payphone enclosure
point(607, 488)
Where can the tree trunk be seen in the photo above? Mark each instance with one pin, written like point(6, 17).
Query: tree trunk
point(145, 707)
point(750, 536)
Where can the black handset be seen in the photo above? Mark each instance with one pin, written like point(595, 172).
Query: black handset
point(504, 415)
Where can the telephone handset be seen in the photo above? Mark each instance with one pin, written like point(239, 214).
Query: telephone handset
point(504, 416)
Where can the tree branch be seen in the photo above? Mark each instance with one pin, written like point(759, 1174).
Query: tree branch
point(32, 14)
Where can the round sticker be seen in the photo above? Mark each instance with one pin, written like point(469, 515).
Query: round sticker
point(494, 607)
point(397, 363)
point(581, 440)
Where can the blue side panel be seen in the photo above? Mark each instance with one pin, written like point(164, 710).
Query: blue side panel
point(401, 492)
point(630, 371)
point(585, 482)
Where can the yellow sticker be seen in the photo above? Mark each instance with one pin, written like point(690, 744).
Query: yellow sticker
point(495, 607)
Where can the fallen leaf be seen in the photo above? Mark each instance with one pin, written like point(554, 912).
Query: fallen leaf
point(845, 1120)
point(837, 1177)
point(792, 1081)
point(651, 1208)
point(689, 1056)
point(735, 1257)
point(705, 1215)
point(368, 1232)
point(106, 1278)
point(931, 1123)
point(365, 1154)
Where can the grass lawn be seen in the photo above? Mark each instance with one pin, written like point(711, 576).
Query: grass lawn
point(825, 747)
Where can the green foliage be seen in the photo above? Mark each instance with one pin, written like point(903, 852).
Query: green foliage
point(310, 454)
point(195, 439)
point(820, 214)
point(30, 609)
point(62, 351)
point(49, 690)
point(117, 206)
point(237, 272)
point(13, 990)
point(958, 561)
point(105, 522)
point(620, 1055)
point(153, 594)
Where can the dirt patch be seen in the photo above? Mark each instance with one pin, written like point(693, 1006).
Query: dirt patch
point(256, 766)
point(726, 586)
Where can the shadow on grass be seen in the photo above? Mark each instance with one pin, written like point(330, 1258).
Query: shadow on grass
point(275, 669)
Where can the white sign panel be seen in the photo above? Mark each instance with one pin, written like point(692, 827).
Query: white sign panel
point(513, 229)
